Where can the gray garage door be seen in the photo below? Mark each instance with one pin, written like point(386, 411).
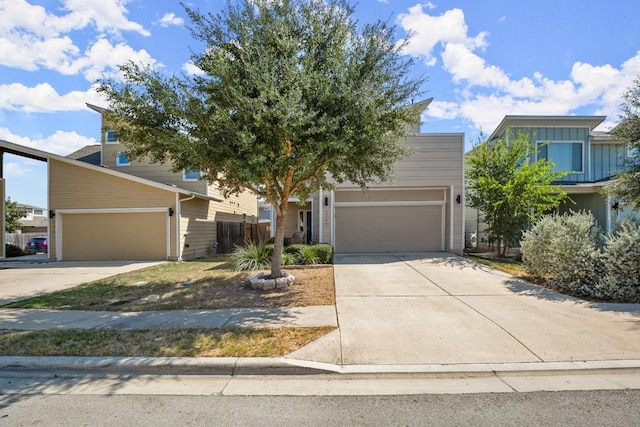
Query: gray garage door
point(388, 228)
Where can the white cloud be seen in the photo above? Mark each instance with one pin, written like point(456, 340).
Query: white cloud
point(32, 37)
point(15, 170)
point(43, 98)
point(430, 31)
point(170, 19)
point(487, 93)
point(103, 57)
point(191, 68)
point(60, 142)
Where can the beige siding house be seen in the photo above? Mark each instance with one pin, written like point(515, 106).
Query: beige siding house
point(421, 210)
point(103, 207)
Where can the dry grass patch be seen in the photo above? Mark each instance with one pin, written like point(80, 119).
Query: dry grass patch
point(202, 284)
point(165, 342)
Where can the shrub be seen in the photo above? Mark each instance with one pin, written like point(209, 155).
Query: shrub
point(251, 257)
point(621, 259)
point(289, 259)
point(569, 244)
point(12, 250)
point(324, 253)
point(307, 255)
point(272, 240)
point(295, 249)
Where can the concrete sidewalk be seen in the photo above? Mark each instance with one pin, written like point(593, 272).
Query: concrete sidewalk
point(397, 313)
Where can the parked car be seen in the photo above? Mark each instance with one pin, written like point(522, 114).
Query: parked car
point(37, 244)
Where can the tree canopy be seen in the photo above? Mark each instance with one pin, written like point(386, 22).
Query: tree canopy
point(12, 216)
point(292, 94)
point(509, 188)
point(626, 186)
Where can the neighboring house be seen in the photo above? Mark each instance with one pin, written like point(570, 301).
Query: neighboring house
point(34, 221)
point(570, 142)
point(107, 208)
point(420, 211)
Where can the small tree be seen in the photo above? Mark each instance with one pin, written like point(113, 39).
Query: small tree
point(508, 188)
point(294, 93)
point(12, 216)
point(626, 186)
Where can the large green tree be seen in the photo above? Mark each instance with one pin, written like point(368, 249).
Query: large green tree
point(12, 215)
point(294, 95)
point(626, 186)
point(509, 188)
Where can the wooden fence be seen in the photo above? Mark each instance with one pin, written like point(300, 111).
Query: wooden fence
point(21, 239)
point(232, 234)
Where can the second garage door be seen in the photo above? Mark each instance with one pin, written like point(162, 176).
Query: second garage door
point(135, 236)
point(389, 228)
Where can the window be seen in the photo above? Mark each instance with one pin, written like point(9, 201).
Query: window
point(567, 156)
point(191, 175)
point(632, 150)
point(122, 160)
point(110, 137)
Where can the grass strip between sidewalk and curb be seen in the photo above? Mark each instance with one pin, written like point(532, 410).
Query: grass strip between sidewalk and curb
point(159, 342)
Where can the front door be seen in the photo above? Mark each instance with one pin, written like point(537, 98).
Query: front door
point(304, 224)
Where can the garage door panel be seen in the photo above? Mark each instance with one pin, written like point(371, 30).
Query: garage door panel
point(114, 236)
point(388, 228)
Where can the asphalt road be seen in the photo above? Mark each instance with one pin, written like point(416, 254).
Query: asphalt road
point(582, 408)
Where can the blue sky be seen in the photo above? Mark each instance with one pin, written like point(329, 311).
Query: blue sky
point(483, 60)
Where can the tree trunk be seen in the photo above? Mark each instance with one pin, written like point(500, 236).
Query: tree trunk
point(278, 246)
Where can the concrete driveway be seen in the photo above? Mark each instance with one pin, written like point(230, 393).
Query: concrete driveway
point(435, 308)
point(25, 280)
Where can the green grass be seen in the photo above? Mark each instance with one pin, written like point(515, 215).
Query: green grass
point(507, 266)
point(161, 342)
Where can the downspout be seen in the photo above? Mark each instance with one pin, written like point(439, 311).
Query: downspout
point(178, 219)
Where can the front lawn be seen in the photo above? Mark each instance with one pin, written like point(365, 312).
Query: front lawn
point(201, 284)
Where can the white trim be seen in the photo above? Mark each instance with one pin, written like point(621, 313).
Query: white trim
point(4, 215)
point(332, 235)
point(609, 228)
point(106, 140)
point(185, 179)
point(451, 217)
point(398, 203)
point(119, 163)
point(443, 227)
point(320, 217)
point(178, 215)
point(393, 188)
point(60, 212)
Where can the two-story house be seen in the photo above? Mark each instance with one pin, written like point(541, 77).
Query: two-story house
point(421, 210)
point(590, 157)
point(101, 206)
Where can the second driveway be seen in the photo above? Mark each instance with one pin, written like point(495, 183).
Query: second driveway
point(408, 309)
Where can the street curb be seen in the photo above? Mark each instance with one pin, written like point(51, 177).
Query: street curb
point(229, 366)
point(237, 366)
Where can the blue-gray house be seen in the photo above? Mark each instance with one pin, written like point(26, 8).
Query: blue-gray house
point(570, 142)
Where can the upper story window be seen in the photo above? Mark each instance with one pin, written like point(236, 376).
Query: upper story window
point(567, 156)
point(110, 137)
point(191, 175)
point(122, 160)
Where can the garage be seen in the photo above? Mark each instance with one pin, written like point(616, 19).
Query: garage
point(390, 221)
point(113, 235)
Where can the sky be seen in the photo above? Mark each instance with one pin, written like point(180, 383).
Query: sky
point(482, 60)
